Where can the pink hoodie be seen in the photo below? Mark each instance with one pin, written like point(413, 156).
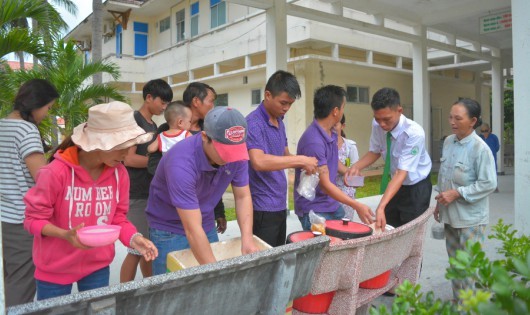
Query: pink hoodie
point(100, 202)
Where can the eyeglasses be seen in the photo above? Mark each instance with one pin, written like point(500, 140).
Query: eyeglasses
point(484, 130)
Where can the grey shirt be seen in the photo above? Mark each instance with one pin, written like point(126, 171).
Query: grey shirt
point(18, 139)
point(467, 166)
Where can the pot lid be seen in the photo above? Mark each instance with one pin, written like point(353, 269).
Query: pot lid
point(345, 229)
point(304, 235)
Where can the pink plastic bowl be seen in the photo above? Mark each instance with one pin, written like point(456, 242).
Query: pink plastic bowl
point(99, 235)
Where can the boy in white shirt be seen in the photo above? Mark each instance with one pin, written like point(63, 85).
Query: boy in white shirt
point(407, 189)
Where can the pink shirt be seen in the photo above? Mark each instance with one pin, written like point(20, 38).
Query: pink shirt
point(65, 195)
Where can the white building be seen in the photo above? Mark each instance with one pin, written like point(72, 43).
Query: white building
point(225, 45)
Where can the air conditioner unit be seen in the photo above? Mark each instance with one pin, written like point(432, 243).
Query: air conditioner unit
point(108, 29)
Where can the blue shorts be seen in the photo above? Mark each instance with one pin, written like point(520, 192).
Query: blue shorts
point(97, 279)
point(167, 242)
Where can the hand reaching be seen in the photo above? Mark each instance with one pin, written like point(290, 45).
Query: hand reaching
point(249, 247)
point(145, 247)
point(352, 171)
point(221, 225)
point(365, 213)
point(380, 219)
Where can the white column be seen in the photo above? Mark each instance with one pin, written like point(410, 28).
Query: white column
point(497, 108)
point(521, 77)
point(478, 89)
point(369, 57)
point(276, 19)
point(335, 51)
point(420, 86)
point(399, 62)
point(216, 69)
point(248, 62)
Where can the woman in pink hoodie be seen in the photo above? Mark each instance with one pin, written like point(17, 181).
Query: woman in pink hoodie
point(85, 184)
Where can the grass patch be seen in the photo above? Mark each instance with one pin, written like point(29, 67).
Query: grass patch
point(370, 188)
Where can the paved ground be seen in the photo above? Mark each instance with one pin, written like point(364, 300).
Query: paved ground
point(435, 256)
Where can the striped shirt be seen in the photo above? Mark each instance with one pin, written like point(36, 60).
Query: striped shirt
point(18, 139)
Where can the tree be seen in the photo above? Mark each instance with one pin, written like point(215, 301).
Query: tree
point(13, 38)
point(17, 39)
point(97, 34)
point(66, 70)
point(47, 37)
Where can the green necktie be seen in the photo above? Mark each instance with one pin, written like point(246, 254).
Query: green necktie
point(386, 172)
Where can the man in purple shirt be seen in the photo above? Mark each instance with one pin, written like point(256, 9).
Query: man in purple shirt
point(270, 156)
point(189, 181)
point(320, 140)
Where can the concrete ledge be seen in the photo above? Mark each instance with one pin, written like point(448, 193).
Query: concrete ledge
point(260, 283)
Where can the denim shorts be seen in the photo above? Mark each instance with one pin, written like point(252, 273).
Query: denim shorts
point(337, 215)
point(167, 242)
point(97, 279)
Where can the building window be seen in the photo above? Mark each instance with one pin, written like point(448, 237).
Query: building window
point(357, 94)
point(256, 96)
point(194, 12)
point(141, 30)
point(180, 25)
point(221, 100)
point(164, 24)
point(118, 41)
point(218, 13)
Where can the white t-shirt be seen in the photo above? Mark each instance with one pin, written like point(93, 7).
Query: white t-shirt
point(166, 141)
point(18, 139)
point(407, 150)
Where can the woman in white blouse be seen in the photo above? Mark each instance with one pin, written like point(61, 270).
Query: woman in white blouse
point(348, 154)
point(466, 178)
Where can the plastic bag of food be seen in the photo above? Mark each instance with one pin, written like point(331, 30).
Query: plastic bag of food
point(318, 223)
point(307, 186)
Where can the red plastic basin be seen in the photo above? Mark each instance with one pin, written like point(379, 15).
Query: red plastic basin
point(376, 282)
point(311, 304)
point(314, 304)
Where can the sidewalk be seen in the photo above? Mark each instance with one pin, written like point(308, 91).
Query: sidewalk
point(435, 260)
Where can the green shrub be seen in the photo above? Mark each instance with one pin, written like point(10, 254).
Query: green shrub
point(503, 285)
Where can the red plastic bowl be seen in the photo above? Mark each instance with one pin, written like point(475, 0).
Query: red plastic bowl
point(98, 235)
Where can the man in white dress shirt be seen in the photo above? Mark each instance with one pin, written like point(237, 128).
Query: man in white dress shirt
point(408, 193)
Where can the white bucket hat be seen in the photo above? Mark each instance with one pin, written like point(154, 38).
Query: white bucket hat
point(110, 126)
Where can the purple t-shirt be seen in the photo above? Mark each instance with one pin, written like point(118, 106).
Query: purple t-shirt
point(316, 142)
point(185, 179)
point(268, 188)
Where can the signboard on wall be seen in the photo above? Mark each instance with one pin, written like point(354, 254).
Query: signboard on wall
point(496, 22)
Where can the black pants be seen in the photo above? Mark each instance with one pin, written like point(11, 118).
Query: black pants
point(19, 270)
point(409, 203)
point(271, 227)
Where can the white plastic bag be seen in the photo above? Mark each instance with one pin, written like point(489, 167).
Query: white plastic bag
point(438, 231)
point(307, 186)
